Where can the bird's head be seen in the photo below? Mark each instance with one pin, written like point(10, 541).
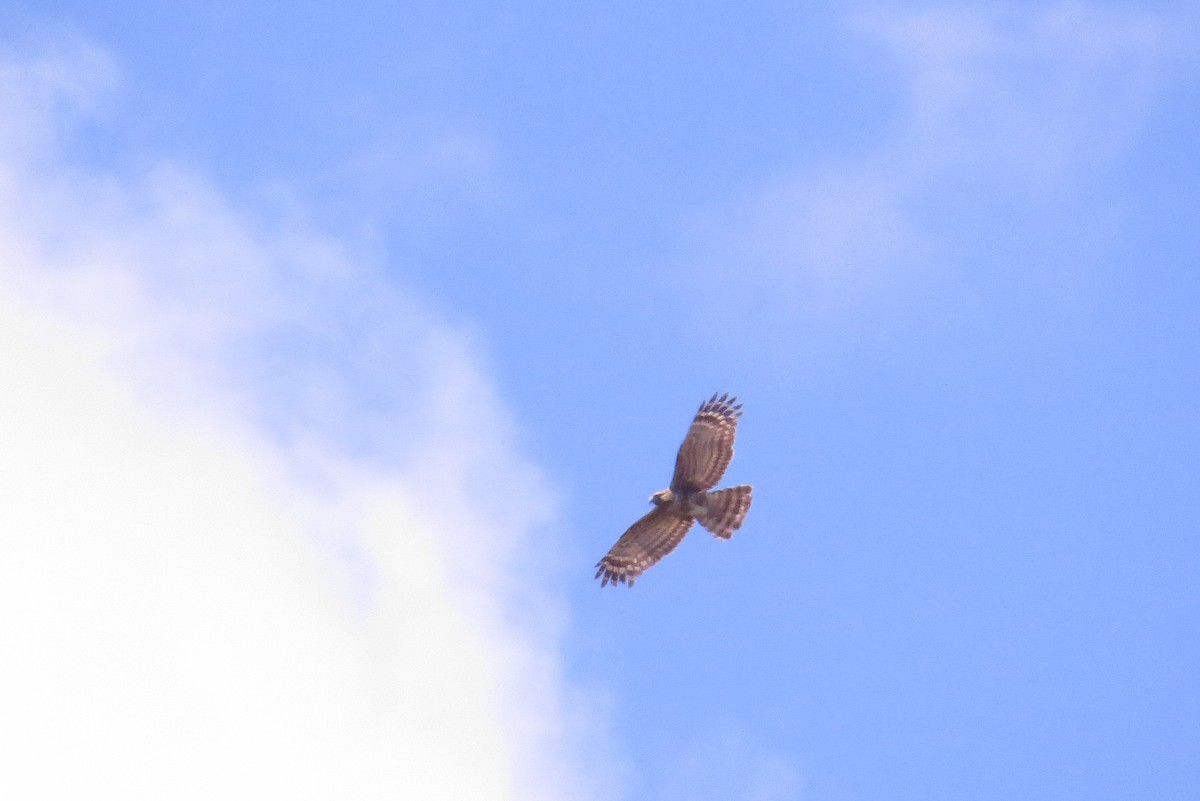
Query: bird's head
point(662, 497)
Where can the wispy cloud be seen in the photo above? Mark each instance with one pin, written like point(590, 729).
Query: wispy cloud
point(725, 763)
point(1004, 108)
point(1029, 98)
point(267, 528)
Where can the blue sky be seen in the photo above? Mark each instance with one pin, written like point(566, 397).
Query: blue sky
point(344, 341)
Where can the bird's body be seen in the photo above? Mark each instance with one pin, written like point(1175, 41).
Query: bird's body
point(703, 458)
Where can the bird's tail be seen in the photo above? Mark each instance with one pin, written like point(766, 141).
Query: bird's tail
point(725, 510)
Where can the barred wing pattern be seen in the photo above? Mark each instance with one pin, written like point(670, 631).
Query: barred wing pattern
point(646, 541)
point(725, 510)
point(702, 460)
point(707, 449)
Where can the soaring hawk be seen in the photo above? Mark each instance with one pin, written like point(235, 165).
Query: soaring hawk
point(703, 457)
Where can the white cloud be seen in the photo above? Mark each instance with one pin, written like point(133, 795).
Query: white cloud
point(1001, 107)
point(724, 763)
point(47, 84)
point(823, 243)
point(266, 531)
point(1026, 97)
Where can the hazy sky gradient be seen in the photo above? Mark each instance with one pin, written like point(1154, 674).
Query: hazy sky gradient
point(342, 343)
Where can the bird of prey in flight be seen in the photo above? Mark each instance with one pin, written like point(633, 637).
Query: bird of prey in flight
point(703, 458)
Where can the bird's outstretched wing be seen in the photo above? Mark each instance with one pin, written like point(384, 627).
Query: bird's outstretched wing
point(646, 541)
point(708, 447)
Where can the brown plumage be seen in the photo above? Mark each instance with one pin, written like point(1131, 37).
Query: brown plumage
point(703, 458)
